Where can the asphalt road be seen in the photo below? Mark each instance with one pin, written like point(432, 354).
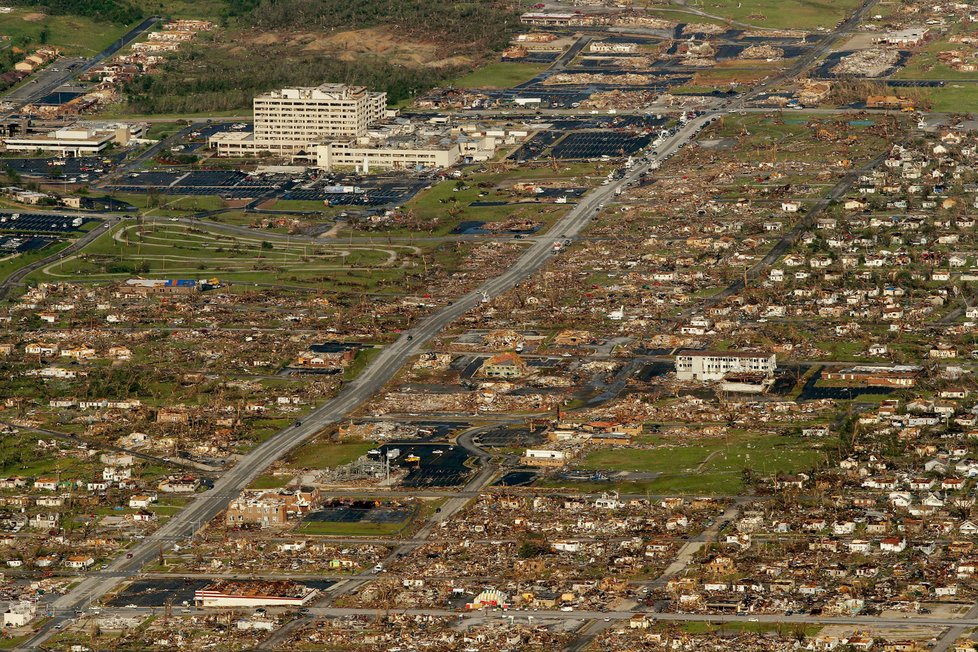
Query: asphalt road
point(543, 615)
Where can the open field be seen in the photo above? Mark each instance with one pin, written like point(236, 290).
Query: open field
point(359, 529)
point(202, 9)
point(327, 454)
point(163, 249)
point(711, 465)
point(952, 98)
point(170, 205)
point(74, 35)
point(11, 264)
point(778, 14)
point(499, 75)
point(447, 204)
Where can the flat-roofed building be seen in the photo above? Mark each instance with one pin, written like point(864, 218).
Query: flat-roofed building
point(254, 593)
point(350, 154)
point(290, 120)
point(64, 142)
point(715, 365)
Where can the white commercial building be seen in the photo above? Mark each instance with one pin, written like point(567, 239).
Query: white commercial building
point(254, 594)
point(19, 614)
point(68, 142)
point(349, 154)
point(715, 365)
point(291, 120)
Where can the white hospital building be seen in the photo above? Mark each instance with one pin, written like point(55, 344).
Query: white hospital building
point(339, 126)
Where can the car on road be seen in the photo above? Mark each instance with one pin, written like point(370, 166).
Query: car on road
point(379, 568)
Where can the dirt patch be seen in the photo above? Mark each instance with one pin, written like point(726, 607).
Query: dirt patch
point(266, 38)
point(34, 17)
point(351, 45)
point(379, 41)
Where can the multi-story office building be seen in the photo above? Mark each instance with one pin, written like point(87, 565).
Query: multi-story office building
point(290, 120)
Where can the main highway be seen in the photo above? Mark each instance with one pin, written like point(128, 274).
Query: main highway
point(209, 504)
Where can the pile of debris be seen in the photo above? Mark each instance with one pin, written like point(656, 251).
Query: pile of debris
point(813, 92)
point(619, 100)
point(703, 28)
point(766, 52)
point(627, 79)
point(873, 62)
point(648, 22)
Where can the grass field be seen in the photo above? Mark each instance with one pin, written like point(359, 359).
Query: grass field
point(952, 98)
point(73, 34)
point(925, 65)
point(11, 264)
point(709, 466)
point(166, 250)
point(19, 455)
point(332, 528)
point(203, 9)
point(777, 14)
point(500, 75)
point(171, 205)
point(449, 203)
point(269, 481)
point(327, 454)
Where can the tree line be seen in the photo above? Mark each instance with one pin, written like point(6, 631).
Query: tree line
point(196, 81)
point(106, 11)
point(467, 25)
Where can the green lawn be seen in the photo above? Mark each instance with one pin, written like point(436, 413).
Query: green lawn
point(925, 65)
point(74, 35)
point(777, 14)
point(327, 454)
point(269, 481)
point(952, 98)
point(161, 130)
point(19, 456)
point(361, 529)
point(448, 203)
point(500, 75)
point(10, 265)
point(364, 357)
point(708, 466)
point(165, 249)
point(171, 205)
point(703, 627)
point(202, 9)
point(118, 110)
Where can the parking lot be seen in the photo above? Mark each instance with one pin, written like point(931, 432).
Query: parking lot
point(338, 191)
point(359, 511)
point(69, 169)
point(11, 244)
point(224, 183)
point(159, 592)
point(379, 191)
point(41, 222)
point(535, 146)
point(439, 464)
point(588, 145)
